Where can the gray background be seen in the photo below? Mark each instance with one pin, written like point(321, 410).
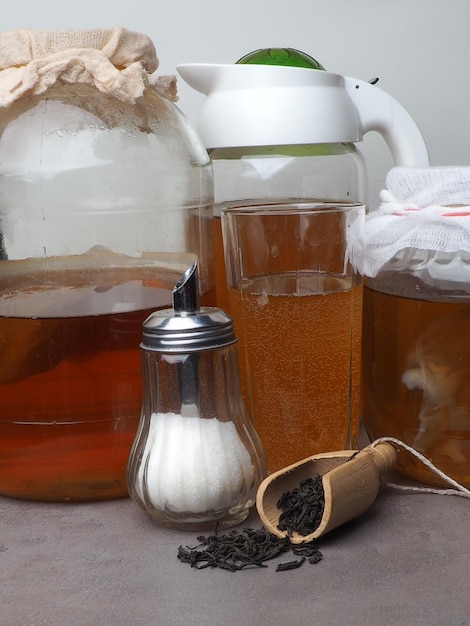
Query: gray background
point(418, 48)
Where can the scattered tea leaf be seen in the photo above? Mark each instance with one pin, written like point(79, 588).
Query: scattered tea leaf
point(283, 567)
point(239, 549)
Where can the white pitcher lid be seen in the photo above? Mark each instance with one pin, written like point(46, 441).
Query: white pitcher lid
point(280, 96)
point(274, 96)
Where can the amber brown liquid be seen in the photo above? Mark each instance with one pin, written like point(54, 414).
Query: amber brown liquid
point(220, 273)
point(70, 385)
point(302, 355)
point(425, 343)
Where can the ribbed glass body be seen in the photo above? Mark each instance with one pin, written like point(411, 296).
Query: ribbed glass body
point(196, 460)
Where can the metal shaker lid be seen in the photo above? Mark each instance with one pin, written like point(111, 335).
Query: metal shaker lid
point(187, 327)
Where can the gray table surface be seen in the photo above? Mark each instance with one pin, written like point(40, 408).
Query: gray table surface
point(405, 561)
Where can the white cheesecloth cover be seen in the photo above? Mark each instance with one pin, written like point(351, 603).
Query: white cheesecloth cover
point(116, 61)
point(421, 208)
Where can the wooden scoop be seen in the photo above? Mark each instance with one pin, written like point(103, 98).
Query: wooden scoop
point(350, 478)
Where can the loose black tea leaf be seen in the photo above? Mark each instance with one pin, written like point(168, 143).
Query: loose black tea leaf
point(308, 550)
point(302, 508)
point(234, 550)
point(315, 558)
point(283, 567)
point(239, 549)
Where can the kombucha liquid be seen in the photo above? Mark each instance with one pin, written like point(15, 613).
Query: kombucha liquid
point(302, 351)
point(220, 273)
point(416, 379)
point(70, 384)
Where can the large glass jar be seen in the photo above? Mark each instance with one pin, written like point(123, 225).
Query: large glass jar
point(416, 335)
point(416, 362)
point(105, 198)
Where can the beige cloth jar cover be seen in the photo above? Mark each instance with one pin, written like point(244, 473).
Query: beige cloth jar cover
point(116, 61)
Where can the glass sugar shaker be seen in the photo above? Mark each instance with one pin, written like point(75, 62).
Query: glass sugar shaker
point(196, 459)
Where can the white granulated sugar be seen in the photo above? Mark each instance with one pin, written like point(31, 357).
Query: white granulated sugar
point(194, 465)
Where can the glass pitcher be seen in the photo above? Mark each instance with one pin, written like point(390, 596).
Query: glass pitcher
point(280, 128)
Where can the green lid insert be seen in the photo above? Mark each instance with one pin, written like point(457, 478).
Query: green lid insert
point(281, 56)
